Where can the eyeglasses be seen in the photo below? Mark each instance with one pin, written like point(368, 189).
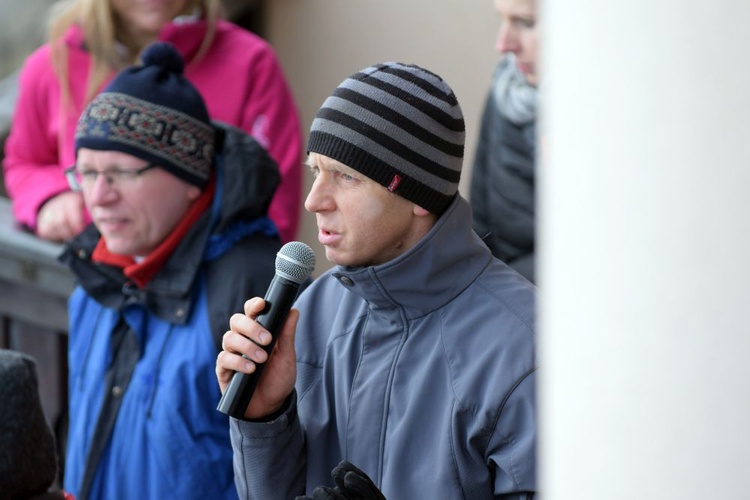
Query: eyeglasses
point(85, 179)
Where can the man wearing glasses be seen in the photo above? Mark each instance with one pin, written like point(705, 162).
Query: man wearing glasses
point(179, 240)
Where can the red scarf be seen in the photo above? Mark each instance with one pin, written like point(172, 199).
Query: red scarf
point(142, 272)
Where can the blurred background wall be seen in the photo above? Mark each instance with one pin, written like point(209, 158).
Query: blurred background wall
point(22, 29)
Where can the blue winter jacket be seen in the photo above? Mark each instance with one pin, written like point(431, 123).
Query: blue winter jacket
point(419, 371)
point(142, 383)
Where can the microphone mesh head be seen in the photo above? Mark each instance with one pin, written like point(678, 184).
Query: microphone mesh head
point(295, 262)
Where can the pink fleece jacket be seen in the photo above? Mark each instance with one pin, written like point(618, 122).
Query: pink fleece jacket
point(239, 77)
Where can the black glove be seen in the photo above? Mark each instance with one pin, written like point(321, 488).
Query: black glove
point(351, 484)
point(324, 493)
point(355, 484)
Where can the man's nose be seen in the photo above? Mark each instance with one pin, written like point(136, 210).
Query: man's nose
point(318, 199)
point(101, 191)
point(507, 39)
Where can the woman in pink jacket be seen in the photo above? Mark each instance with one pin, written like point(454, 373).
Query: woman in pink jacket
point(237, 73)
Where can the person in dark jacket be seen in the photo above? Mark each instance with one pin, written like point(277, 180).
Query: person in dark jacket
point(503, 177)
point(180, 237)
point(408, 369)
point(28, 459)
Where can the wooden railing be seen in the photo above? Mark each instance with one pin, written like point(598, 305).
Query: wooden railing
point(34, 289)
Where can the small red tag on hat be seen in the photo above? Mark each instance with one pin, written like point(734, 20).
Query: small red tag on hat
point(394, 183)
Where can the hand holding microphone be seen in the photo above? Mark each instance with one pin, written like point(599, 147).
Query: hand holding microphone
point(247, 346)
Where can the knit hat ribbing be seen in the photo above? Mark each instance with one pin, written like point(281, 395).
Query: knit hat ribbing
point(28, 461)
point(399, 125)
point(153, 112)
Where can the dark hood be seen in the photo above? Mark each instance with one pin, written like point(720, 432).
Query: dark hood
point(250, 177)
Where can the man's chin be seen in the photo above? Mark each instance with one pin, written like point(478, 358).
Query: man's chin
point(331, 256)
point(119, 247)
point(337, 258)
point(347, 260)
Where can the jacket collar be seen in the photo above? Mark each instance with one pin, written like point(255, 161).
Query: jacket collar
point(428, 276)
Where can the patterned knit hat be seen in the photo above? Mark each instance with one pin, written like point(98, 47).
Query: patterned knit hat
point(399, 125)
point(28, 461)
point(153, 112)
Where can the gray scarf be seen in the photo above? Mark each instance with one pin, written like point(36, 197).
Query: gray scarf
point(515, 97)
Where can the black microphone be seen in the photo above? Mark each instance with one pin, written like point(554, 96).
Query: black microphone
point(294, 265)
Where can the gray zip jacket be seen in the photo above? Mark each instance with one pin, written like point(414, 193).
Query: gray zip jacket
point(419, 371)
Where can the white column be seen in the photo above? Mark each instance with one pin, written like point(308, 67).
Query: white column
point(644, 209)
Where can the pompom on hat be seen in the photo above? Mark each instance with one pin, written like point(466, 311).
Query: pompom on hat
point(401, 126)
point(153, 112)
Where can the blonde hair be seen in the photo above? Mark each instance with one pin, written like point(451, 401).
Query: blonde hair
point(98, 22)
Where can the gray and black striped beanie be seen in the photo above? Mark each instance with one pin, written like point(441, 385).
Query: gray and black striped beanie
point(399, 125)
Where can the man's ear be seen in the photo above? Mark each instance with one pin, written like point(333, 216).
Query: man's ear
point(193, 193)
point(419, 211)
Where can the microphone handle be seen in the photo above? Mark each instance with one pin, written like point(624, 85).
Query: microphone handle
point(279, 299)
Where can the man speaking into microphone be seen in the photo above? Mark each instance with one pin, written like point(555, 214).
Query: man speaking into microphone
point(407, 370)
